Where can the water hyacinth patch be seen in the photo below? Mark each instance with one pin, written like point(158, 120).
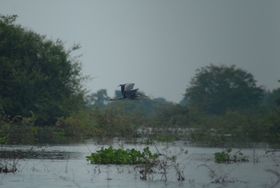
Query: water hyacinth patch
point(225, 157)
point(121, 156)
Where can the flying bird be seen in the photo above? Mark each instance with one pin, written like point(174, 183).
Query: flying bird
point(127, 90)
point(129, 93)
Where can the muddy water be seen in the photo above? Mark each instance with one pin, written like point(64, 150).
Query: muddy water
point(59, 166)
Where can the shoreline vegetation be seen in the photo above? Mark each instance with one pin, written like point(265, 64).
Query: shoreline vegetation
point(106, 124)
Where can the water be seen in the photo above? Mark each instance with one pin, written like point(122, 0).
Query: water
point(59, 166)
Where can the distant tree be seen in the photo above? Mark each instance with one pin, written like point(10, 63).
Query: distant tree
point(277, 100)
point(270, 97)
point(183, 102)
point(38, 77)
point(214, 89)
point(100, 98)
point(160, 100)
point(161, 103)
point(118, 93)
point(274, 121)
point(130, 107)
point(172, 115)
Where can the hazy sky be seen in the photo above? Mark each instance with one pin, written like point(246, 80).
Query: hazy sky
point(158, 44)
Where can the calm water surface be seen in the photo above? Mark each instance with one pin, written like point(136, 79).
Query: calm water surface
point(59, 166)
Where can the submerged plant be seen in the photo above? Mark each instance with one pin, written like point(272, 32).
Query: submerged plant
point(220, 178)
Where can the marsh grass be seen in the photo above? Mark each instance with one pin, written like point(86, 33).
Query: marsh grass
point(169, 162)
point(9, 160)
point(11, 155)
point(8, 166)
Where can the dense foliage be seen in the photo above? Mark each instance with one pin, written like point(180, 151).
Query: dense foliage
point(215, 89)
point(38, 77)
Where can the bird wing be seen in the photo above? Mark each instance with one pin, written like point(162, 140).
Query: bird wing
point(128, 86)
point(130, 93)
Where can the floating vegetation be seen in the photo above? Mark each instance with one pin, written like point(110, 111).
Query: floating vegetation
point(121, 156)
point(225, 157)
point(145, 162)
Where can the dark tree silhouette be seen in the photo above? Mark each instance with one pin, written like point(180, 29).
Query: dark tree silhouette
point(214, 89)
point(38, 77)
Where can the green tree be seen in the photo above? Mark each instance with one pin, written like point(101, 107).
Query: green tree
point(173, 115)
point(118, 93)
point(214, 89)
point(277, 100)
point(38, 77)
point(271, 97)
point(100, 98)
point(274, 121)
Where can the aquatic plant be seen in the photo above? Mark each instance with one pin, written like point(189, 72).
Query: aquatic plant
point(221, 178)
point(9, 160)
point(121, 156)
point(11, 168)
point(273, 154)
point(145, 162)
point(166, 161)
point(225, 157)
